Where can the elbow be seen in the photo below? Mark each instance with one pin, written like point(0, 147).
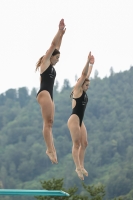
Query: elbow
point(84, 74)
point(58, 48)
point(53, 44)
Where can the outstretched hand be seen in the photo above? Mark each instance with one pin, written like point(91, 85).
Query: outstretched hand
point(91, 58)
point(62, 25)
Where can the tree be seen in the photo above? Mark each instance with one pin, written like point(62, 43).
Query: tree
point(11, 94)
point(108, 119)
point(96, 74)
point(56, 86)
point(96, 192)
point(57, 184)
point(66, 84)
point(111, 71)
point(23, 96)
point(2, 99)
point(33, 92)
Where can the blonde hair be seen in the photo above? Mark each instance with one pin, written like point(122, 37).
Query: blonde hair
point(38, 63)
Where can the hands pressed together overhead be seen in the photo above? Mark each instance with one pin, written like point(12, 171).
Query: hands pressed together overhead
point(62, 26)
point(91, 58)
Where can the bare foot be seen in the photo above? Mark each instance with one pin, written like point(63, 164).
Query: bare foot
point(55, 156)
point(80, 174)
point(51, 156)
point(84, 171)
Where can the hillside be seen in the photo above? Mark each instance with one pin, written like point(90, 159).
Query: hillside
point(109, 122)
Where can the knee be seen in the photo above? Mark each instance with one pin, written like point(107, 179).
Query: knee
point(84, 144)
point(48, 123)
point(76, 144)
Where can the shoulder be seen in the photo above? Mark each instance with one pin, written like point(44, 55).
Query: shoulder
point(77, 92)
point(80, 81)
point(44, 65)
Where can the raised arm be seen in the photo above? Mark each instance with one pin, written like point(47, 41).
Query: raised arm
point(62, 31)
point(60, 39)
point(84, 73)
point(91, 62)
point(57, 40)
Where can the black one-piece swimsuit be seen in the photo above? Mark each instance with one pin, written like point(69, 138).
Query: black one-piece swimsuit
point(47, 80)
point(80, 106)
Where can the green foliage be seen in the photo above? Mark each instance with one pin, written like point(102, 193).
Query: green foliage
point(108, 119)
point(96, 192)
point(56, 184)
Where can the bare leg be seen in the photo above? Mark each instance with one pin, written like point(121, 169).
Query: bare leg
point(73, 125)
point(47, 133)
point(46, 104)
point(75, 154)
point(54, 149)
point(52, 135)
point(81, 156)
point(82, 149)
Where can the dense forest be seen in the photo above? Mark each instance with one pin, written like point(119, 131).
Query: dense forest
point(109, 122)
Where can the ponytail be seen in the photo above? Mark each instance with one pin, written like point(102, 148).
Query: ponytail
point(55, 52)
point(71, 95)
point(38, 63)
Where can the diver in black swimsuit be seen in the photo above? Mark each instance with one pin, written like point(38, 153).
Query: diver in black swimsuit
point(75, 122)
point(47, 80)
point(45, 94)
point(80, 107)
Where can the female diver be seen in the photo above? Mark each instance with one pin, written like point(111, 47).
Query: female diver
point(45, 94)
point(75, 122)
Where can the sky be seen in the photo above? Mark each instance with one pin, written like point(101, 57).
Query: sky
point(27, 28)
